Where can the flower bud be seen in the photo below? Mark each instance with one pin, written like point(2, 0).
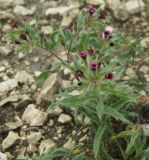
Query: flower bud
point(79, 73)
point(93, 66)
point(106, 33)
point(91, 10)
point(102, 15)
point(83, 54)
point(90, 51)
point(109, 76)
point(23, 37)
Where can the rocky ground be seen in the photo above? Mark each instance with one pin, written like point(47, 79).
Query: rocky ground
point(26, 129)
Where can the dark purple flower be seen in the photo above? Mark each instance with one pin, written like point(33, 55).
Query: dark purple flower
point(24, 18)
point(79, 73)
point(106, 33)
point(90, 51)
point(102, 15)
point(83, 54)
point(109, 76)
point(14, 25)
point(91, 10)
point(93, 66)
point(23, 37)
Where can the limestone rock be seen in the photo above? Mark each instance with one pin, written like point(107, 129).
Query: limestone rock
point(34, 137)
point(118, 9)
point(3, 156)
point(64, 118)
point(56, 112)
point(46, 30)
point(49, 88)
point(45, 145)
point(95, 2)
point(134, 6)
point(8, 3)
point(70, 143)
point(7, 86)
point(20, 10)
point(10, 140)
point(24, 77)
point(5, 50)
point(33, 116)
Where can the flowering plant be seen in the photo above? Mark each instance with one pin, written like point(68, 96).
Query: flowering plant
point(98, 59)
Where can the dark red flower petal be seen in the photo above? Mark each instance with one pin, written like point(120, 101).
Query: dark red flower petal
point(14, 25)
point(93, 66)
point(17, 42)
point(23, 37)
point(83, 54)
point(102, 15)
point(91, 10)
point(109, 76)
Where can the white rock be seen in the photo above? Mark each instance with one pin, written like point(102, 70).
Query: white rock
point(134, 6)
point(45, 145)
point(24, 77)
point(130, 73)
point(3, 156)
point(145, 42)
point(144, 69)
point(119, 10)
point(95, 2)
point(5, 50)
point(49, 88)
point(46, 30)
point(56, 112)
point(20, 10)
point(64, 118)
point(59, 10)
point(2, 68)
point(34, 137)
point(8, 85)
point(10, 140)
point(7, 3)
point(33, 116)
point(69, 144)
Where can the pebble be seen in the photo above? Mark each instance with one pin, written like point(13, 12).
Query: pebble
point(34, 116)
point(10, 140)
point(46, 30)
point(23, 11)
point(45, 145)
point(64, 118)
point(3, 156)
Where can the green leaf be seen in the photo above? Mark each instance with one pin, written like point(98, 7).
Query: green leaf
point(132, 141)
point(97, 140)
point(117, 115)
point(42, 77)
point(100, 109)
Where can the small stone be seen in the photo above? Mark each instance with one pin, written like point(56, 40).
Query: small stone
point(33, 116)
point(34, 137)
point(49, 88)
point(45, 145)
point(58, 10)
point(5, 50)
point(56, 112)
point(20, 10)
point(46, 30)
point(2, 68)
point(145, 42)
point(130, 73)
point(24, 77)
point(134, 6)
point(64, 118)
point(3, 156)
point(69, 144)
point(9, 3)
point(8, 85)
point(10, 140)
point(95, 2)
point(144, 69)
point(36, 59)
point(32, 148)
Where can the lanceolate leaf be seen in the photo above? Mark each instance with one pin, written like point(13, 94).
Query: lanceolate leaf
point(97, 140)
point(132, 141)
point(117, 115)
